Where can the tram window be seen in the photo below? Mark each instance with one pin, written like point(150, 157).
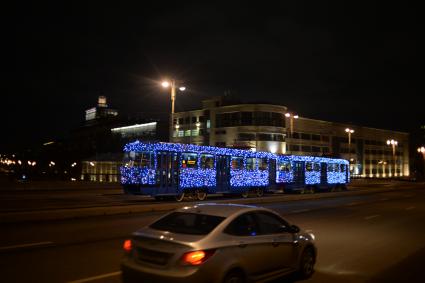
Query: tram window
point(342, 168)
point(237, 163)
point(309, 166)
point(336, 168)
point(250, 164)
point(207, 161)
point(330, 167)
point(262, 164)
point(189, 160)
point(285, 166)
point(317, 167)
point(146, 159)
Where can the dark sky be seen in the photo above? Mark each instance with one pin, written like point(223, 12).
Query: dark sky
point(358, 62)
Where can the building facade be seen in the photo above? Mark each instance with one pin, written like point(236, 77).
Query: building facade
point(265, 127)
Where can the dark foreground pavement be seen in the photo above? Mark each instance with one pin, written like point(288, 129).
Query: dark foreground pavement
point(376, 237)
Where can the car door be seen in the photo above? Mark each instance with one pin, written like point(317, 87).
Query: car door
point(251, 250)
point(275, 231)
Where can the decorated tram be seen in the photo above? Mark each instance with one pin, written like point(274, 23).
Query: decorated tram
point(175, 170)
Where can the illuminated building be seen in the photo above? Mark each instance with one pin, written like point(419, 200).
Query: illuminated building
point(264, 127)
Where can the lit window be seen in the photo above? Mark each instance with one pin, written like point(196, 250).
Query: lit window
point(189, 160)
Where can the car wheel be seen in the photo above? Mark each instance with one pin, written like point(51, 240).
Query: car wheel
point(306, 268)
point(201, 195)
point(234, 277)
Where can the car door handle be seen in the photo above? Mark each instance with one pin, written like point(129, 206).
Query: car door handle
point(242, 245)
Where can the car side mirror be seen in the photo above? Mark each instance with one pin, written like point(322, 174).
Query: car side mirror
point(294, 229)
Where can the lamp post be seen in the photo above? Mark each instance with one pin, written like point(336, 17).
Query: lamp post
point(421, 150)
point(172, 84)
point(393, 144)
point(291, 117)
point(349, 132)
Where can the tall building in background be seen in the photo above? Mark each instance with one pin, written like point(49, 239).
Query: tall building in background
point(101, 111)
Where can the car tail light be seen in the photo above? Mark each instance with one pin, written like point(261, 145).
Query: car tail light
point(127, 246)
point(196, 257)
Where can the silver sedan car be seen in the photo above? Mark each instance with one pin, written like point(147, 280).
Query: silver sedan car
point(218, 243)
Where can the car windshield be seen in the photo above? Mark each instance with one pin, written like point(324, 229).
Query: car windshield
point(187, 223)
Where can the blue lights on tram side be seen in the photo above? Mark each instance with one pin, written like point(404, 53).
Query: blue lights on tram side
point(166, 169)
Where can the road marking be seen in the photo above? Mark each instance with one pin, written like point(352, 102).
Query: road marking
point(300, 210)
point(410, 208)
point(93, 278)
point(30, 245)
point(371, 217)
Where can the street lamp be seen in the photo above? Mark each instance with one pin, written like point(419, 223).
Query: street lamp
point(291, 121)
point(393, 144)
point(173, 85)
point(291, 117)
point(422, 150)
point(349, 132)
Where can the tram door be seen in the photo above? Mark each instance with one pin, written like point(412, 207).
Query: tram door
point(299, 172)
point(168, 172)
point(323, 173)
point(223, 173)
point(272, 172)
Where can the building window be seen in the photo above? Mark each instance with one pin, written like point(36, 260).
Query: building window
point(246, 137)
point(315, 149)
point(306, 148)
point(180, 134)
point(187, 133)
point(305, 136)
point(220, 144)
point(315, 137)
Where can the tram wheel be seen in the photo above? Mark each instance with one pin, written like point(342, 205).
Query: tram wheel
point(259, 192)
point(201, 195)
point(180, 196)
point(245, 194)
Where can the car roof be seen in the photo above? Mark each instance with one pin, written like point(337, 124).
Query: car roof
point(218, 209)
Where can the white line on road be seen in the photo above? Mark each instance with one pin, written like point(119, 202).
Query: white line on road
point(93, 278)
point(371, 217)
point(30, 245)
point(410, 207)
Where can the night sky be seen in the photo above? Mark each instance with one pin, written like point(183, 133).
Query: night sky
point(360, 63)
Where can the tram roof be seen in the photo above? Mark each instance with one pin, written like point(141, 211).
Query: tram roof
point(138, 146)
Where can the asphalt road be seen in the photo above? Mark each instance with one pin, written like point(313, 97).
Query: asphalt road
point(376, 237)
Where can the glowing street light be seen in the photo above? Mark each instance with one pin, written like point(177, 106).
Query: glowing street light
point(173, 85)
point(291, 121)
point(393, 144)
point(349, 132)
